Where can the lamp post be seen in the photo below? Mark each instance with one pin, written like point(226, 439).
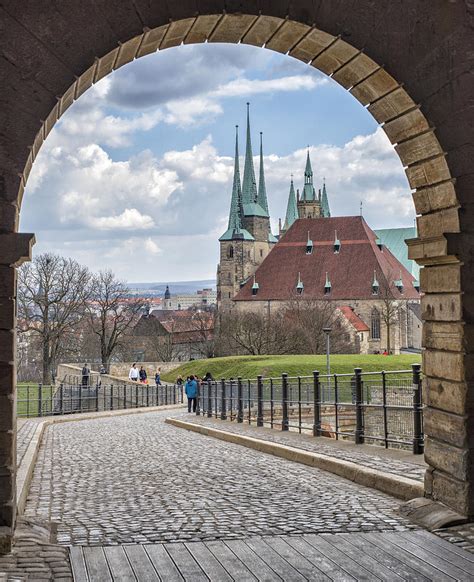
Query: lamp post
point(327, 331)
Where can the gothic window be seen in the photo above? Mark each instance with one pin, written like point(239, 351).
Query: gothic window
point(261, 252)
point(375, 324)
point(230, 252)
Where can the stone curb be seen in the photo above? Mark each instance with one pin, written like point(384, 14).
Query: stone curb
point(394, 485)
point(26, 467)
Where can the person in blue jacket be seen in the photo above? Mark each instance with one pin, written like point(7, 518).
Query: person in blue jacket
point(191, 389)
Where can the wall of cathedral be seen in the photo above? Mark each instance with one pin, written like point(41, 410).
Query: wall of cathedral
point(403, 331)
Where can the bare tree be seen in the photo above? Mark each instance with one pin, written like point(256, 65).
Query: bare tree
point(112, 313)
point(52, 295)
point(389, 312)
point(203, 329)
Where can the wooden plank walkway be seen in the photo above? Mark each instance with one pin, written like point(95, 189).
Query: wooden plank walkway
point(392, 556)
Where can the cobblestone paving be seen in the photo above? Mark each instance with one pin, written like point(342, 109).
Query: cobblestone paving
point(136, 479)
point(413, 467)
point(34, 557)
point(461, 535)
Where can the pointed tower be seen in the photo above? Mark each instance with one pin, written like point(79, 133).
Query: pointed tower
point(249, 185)
point(309, 204)
point(234, 228)
point(262, 191)
point(291, 209)
point(325, 212)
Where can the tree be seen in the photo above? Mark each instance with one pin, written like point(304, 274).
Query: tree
point(52, 296)
point(112, 313)
point(389, 312)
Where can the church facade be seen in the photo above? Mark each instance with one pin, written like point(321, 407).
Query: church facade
point(324, 259)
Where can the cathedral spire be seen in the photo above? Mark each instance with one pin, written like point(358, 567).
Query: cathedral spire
point(308, 190)
point(262, 191)
point(249, 185)
point(235, 222)
point(325, 212)
point(291, 209)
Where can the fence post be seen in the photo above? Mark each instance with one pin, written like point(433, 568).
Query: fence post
point(209, 399)
point(174, 394)
point(198, 399)
point(284, 402)
point(97, 397)
point(111, 397)
point(240, 401)
point(418, 441)
point(223, 401)
point(359, 431)
point(316, 404)
point(61, 398)
point(259, 401)
point(40, 399)
point(125, 396)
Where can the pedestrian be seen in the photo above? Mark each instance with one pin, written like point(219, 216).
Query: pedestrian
point(86, 372)
point(142, 375)
point(133, 374)
point(179, 380)
point(191, 392)
point(208, 377)
point(158, 377)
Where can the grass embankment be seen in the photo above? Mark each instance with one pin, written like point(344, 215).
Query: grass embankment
point(28, 399)
point(273, 366)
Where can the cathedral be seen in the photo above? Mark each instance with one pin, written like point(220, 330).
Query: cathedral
point(341, 260)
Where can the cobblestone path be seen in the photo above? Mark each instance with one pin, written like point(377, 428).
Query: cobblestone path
point(134, 479)
point(402, 463)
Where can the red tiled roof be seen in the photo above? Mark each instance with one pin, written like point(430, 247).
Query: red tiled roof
point(353, 318)
point(351, 271)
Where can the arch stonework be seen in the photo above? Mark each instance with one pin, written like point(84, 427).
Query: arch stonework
point(410, 63)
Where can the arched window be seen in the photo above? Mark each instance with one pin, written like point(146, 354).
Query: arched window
point(230, 252)
point(375, 324)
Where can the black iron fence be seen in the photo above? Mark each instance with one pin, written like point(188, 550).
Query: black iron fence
point(366, 407)
point(72, 398)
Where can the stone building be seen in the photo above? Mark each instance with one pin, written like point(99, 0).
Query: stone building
point(340, 260)
point(174, 335)
point(248, 238)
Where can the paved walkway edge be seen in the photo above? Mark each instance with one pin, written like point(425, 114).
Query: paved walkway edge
point(394, 485)
point(26, 468)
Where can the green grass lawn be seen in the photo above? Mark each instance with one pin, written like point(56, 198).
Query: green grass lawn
point(273, 366)
point(28, 399)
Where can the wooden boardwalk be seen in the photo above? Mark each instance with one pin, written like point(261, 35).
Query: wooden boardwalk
point(397, 556)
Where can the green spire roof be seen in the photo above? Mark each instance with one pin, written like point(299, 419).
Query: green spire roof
point(234, 227)
point(249, 185)
point(308, 190)
point(325, 203)
point(262, 191)
point(292, 208)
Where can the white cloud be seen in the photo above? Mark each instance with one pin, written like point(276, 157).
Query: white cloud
point(129, 219)
point(243, 87)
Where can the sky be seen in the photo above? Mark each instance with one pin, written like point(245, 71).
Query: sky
point(137, 175)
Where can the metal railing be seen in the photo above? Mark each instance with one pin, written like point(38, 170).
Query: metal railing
point(73, 398)
point(367, 407)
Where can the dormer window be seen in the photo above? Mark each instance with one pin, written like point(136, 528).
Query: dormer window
point(375, 285)
point(399, 283)
point(255, 287)
point(327, 286)
point(416, 285)
point(337, 243)
point(309, 246)
point(299, 285)
point(379, 243)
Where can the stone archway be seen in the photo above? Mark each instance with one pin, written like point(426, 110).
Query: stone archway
point(408, 63)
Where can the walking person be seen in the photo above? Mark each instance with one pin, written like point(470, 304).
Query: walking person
point(86, 372)
point(191, 389)
point(142, 374)
point(133, 374)
point(158, 377)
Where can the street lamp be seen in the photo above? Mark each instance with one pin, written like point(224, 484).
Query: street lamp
point(327, 331)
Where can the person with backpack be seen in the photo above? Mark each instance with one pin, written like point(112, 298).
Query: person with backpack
point(191, 390)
